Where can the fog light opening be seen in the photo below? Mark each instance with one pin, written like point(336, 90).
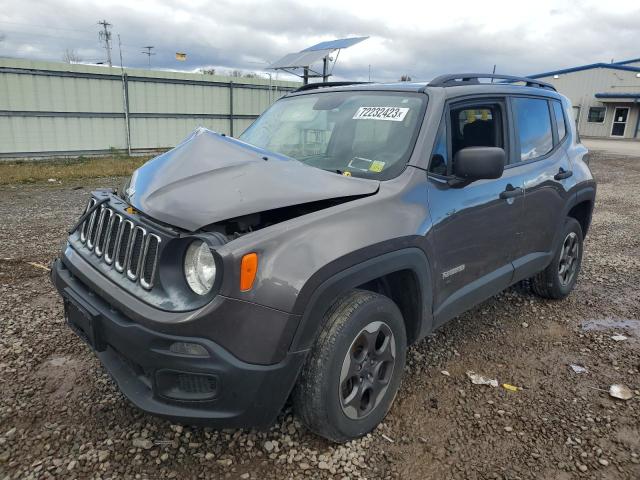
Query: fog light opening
point(187, 348)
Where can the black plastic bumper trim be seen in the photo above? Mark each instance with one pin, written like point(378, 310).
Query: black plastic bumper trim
point(248, 395)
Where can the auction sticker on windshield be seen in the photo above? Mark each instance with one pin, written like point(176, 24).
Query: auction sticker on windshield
point(395, 114)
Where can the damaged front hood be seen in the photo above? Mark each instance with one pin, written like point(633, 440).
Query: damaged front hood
point(210, 177)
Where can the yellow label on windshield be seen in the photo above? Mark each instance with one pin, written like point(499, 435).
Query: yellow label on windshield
point(376, 166)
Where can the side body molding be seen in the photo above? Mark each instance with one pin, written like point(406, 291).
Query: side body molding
point(333, 285)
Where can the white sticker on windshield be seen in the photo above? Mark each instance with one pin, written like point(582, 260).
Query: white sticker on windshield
point(394, 114)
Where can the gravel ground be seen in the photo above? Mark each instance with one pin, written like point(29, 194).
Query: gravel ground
point(61, 415)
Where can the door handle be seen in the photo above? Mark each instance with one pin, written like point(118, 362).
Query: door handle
point(562, 174)
point(511, 192)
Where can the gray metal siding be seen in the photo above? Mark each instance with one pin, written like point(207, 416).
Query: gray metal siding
point(581, 88)
point(54, 107)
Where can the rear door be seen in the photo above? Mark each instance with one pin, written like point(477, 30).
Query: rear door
point(476, 228)
point(542, 161)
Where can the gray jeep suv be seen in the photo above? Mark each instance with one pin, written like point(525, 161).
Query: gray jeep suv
point(301, 260)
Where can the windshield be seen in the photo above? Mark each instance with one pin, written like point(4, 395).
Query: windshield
point(367, 134)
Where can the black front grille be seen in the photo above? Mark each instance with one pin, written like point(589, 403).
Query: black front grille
point(135, 252)
point(113, 237)
point(123, 245)
point(120, 242)
point(147, 275)
point(84, 230)
point(93, 229)
point(105, 219)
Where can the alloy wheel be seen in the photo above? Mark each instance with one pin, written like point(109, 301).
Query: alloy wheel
point(367, 370)
point(569, 255)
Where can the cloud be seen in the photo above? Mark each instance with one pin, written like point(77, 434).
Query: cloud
point(421, 40)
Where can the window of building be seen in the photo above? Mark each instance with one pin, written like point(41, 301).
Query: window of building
point(534, 127)
point(596, 114)
point(560, 123)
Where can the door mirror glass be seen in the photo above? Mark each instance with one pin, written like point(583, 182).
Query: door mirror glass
point(475, 163)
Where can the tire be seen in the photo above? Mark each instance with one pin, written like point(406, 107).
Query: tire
point(558, 279)
point(352, 375)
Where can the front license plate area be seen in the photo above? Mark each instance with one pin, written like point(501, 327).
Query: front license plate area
point(82, 323)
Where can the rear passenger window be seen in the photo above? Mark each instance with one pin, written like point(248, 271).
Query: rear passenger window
point(562, 128)
point(534, 127)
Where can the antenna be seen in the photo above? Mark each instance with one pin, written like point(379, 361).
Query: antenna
point(104, 36)
point(148, 53)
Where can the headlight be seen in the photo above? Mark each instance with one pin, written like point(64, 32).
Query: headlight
point(199, 267)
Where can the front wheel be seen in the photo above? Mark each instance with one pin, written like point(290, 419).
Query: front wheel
point(353, 371)
point(560, 277)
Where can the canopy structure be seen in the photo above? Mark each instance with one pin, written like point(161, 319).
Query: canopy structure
point(307, 57)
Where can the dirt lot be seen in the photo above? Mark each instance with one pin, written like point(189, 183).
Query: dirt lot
point(61, 415)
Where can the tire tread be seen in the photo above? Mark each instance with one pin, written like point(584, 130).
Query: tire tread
point(544, 283)
point(308, 402)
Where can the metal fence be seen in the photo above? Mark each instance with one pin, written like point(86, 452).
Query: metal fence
point(55, 109)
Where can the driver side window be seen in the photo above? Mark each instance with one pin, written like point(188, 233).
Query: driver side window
point(471, 125)
point(476, 126)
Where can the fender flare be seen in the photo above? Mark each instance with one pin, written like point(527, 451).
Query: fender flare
point(322, 289)
point(583, 193)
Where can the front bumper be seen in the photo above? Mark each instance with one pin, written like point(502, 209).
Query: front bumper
point(219, 390)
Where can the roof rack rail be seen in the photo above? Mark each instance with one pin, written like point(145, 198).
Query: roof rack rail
point(459, 79)
point(313, 86)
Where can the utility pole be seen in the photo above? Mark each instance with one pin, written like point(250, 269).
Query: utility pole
point(105, 36)
point(148, 53)
point(125, 100)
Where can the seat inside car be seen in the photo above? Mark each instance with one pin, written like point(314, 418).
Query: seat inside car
point(479, 134)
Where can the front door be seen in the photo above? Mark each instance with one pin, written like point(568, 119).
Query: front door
point(476, 228)
point(619, 121)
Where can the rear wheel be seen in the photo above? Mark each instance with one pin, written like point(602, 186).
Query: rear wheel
point(560, 277)
point(353, 371)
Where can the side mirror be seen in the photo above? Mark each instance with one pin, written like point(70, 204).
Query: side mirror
point(475, 163)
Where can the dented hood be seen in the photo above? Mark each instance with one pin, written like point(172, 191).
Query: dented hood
point(210, 177)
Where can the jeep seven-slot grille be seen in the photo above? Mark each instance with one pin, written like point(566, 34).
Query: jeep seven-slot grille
point(121, 244)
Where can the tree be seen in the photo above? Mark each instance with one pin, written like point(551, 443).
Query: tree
point(208, 71)
point(71, 56)
point(405, 78)
point(240, 74)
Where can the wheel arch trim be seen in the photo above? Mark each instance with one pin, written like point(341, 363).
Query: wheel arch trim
point(321, 295)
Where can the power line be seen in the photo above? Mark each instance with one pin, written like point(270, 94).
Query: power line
point(148, 53)
point(105, 37)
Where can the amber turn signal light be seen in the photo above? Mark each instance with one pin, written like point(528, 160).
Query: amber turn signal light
point(248, 270)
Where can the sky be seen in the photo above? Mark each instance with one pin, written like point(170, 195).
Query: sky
point(420, 39)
